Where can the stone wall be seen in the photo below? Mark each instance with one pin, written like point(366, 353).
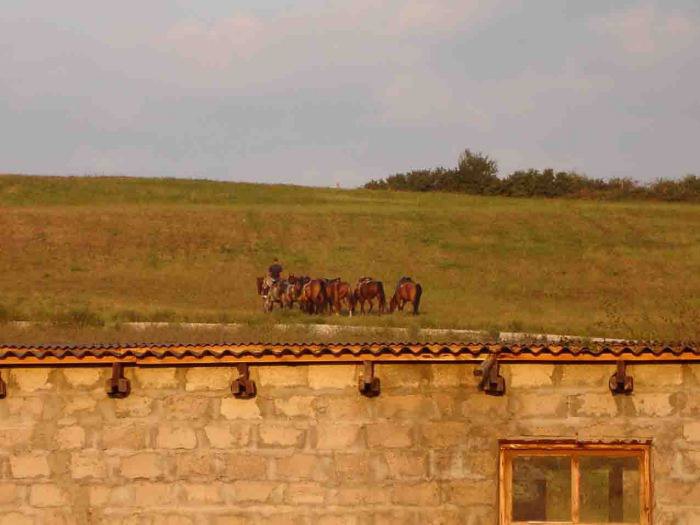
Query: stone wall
point(310, 449)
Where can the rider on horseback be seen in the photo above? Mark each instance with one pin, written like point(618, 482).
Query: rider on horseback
point(273, 275)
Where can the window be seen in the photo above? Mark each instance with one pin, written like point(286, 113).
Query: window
point(573, 482)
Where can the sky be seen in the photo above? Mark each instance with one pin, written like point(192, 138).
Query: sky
point(340, 92)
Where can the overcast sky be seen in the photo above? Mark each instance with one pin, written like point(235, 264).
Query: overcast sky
point(320, 93)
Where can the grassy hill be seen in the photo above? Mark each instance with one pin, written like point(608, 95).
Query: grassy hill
point(88, 251)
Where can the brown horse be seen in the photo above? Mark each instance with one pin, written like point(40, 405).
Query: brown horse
point(313, 296)
point(406, 292)
point(366, 290)
point(338, 292)
point(260, 281)
point(292, 293)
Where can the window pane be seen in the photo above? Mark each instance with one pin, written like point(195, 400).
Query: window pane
point(541, 488)
point(609, 489)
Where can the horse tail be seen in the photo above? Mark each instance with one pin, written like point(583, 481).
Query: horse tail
point(416, 299)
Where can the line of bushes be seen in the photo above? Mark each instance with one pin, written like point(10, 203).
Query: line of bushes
point(477, 174)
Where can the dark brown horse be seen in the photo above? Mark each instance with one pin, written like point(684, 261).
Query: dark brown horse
point(407, 291)
point(313, 296)
point(337, 293)
point(366, 290)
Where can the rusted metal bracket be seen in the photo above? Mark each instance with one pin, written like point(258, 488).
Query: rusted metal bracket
point(118, 386)
point(3, 388)
point(492, 383)
point(243, 387)
point(620, 382)
point(369, 385)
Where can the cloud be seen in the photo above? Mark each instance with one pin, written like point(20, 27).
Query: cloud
point(646, 30)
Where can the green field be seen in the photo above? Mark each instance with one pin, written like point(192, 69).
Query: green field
point(93, 251)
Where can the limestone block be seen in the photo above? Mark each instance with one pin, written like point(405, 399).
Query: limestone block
point(652, 404)
point(478, 404)
point(126, 435)
point(200, 493)
point(582, 376)
point(239, 466)
point(441, 434)
point(232, 408)
point(404, 464)
point(538, 405)
point(389, 435)
point(421, 494)
point(87, 464)
point(79, 404)
point(133, 406)
point(82, 377)
point(336, 436)
point(281, 435)
point(283, 376)
point(25, 408)
point(352, 467)
point(352, 496)
point(471, 492)
point(8, 493)
point(302, 467)
point(31, 379)
point(305, 493)
point(332, 376)
point(446, 464)
point(32, 465)
point(694, 370)
point(402, 376)
point(528, 376)
point(227, 435)
point(655, 377)
point(176, 436)
point(47, 495)
point(187, 406)
point(197, 465)
point(342, 408)
point(142, 465)
point(209, 378)
point(15, 435)
point(691, 431)
point(603, 404)
point(99, 495)
point(154, 494)
point(451, 375)
point(70, 437)
point(257, 491)
point(295, 406)
point(156, 377)
point(409, 406)
point(15, 518)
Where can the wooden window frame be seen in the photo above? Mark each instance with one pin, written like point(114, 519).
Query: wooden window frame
point(573, 449)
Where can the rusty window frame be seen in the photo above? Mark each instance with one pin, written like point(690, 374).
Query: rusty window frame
point(573, 449)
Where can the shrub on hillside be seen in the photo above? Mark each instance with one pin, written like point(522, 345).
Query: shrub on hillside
point(476, 174)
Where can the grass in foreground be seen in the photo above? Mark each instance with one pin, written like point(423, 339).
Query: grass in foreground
point(83, 252)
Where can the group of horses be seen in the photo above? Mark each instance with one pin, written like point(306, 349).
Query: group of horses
point(315, 296)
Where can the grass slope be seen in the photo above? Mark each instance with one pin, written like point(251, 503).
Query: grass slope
point(93, 250)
